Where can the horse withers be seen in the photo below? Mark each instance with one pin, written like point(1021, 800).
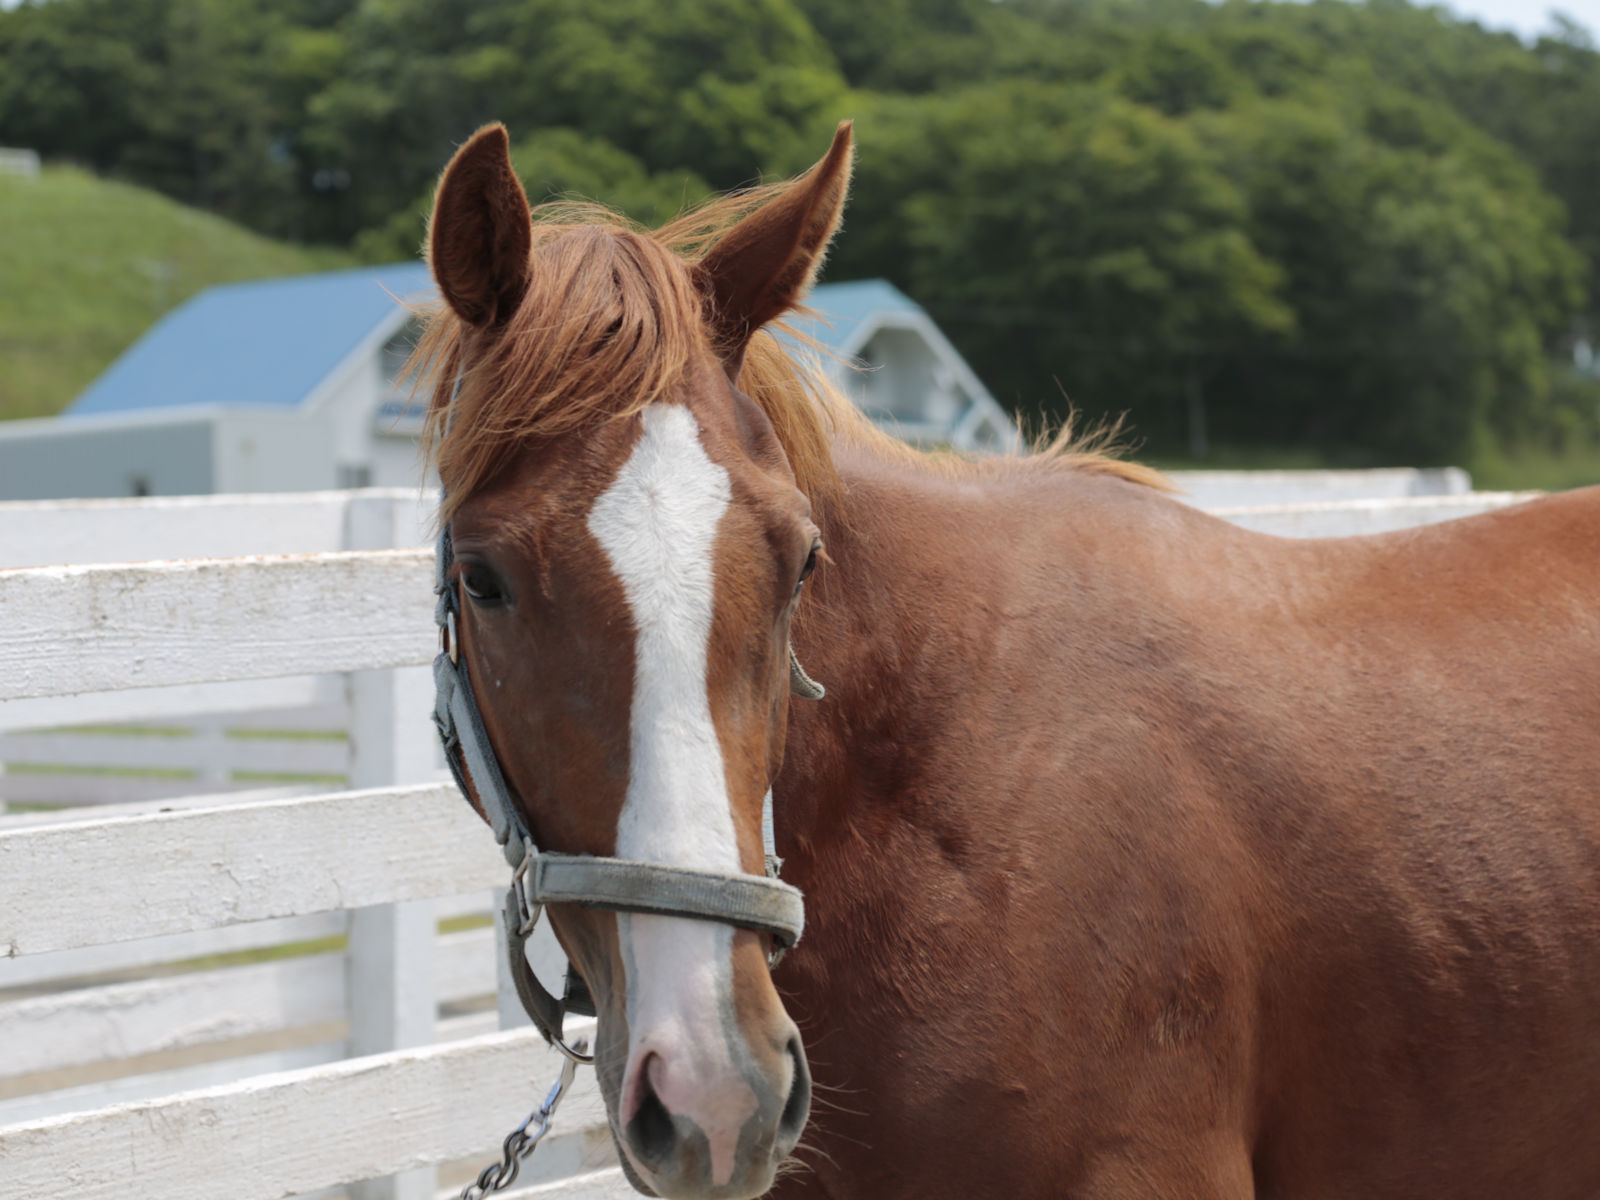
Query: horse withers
point(1143, 856)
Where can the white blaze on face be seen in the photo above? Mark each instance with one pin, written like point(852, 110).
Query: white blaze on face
point(657, 523)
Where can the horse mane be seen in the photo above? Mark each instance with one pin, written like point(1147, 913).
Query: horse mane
point(612, 322)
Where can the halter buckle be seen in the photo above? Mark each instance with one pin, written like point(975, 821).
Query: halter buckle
point(528, 909)
point(448, 644)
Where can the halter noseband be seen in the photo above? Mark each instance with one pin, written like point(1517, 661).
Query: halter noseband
point(762, 903)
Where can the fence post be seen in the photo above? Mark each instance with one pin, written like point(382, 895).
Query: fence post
point(210, 733)
point(391, 990)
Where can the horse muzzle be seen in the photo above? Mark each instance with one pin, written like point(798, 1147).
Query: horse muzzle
point(693, 1125)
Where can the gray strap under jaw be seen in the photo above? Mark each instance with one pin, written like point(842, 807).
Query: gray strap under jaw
point(764, 904)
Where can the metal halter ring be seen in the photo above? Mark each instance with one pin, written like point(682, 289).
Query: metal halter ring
point(527, 910)
point(449, 645)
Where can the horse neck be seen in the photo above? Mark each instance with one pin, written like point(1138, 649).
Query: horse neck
point(877, 631)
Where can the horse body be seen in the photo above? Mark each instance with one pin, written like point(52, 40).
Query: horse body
point(1144, 856)
point(1285, 880)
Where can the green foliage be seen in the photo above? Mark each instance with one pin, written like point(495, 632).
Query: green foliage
point(557, 164)
point(87, 265)
point(1176, 73)
point(720, 88)
point(1359, 231)
point(1096, 246)
point(186, 96)
point(1421, 261)
point(319, 120)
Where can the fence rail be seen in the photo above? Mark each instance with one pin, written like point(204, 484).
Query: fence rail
point(109, 626)
point(1347, 518)
point(176, 872)
point(296, 1131)
point(345, 1037)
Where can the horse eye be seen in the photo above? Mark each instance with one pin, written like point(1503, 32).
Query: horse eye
point(811, 565)
point(482, 584)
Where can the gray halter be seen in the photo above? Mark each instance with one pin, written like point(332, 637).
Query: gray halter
point(762, 903)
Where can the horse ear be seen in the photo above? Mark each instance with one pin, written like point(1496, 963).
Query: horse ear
point(764, 264)
point(481, 233)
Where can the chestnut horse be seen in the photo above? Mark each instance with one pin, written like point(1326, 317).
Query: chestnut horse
point(1143, 856)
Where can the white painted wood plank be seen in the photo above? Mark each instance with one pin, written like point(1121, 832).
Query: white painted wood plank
point(609, 1184)
point(391, 979)
point(38, 970)
point(94, 792)
point(45, 532)
point(471, 1025)
point(1213, 489)
point(463, 965)
point(309, 756)
point(158, 804)
point(298, 1131)
point(393, 983)
point(79, 791)
point(323, 718)
point(196, 1008)
point(146, 704)
point(151, 1085)
point(204, 868)
point(1346, 518)
point(151, 1016)
point(41, 533)
point(100, 628)
point(470, 904)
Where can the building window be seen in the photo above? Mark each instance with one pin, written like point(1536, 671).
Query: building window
point(354, 475)
point(401, 406)
point(395, 352)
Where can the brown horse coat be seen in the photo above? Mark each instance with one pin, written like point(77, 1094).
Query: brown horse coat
point(1144, 856)
point(1147, 856)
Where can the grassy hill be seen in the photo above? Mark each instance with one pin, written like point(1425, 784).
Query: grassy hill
point(87, 265)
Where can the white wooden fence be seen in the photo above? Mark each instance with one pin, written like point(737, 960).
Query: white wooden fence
point(249, 994)
point(244, 994)
point(1218, 489)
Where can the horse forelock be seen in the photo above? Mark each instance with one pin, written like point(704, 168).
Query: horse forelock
point(613, 321)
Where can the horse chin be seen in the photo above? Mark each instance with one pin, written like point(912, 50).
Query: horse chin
point(757, 1187)
point(680, 1189)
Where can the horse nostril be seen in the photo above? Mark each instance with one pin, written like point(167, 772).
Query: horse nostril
point(651, 1133)
point(798, 1106)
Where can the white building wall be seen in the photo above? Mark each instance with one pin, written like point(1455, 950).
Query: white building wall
point(143, 454)
point(346, 403)
point(268, 451)
point(397, 462)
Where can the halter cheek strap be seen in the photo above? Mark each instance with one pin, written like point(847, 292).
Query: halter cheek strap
point(762, 903)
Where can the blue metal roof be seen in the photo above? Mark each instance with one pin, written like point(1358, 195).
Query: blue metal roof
point(270, 342)
point(841, 307)
point(267, 343)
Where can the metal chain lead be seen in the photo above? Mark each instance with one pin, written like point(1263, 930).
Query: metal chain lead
point(522, 1141)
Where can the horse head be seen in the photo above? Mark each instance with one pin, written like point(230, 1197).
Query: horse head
point(629, 548)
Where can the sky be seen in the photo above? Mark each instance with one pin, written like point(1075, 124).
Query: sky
point(1527, 17)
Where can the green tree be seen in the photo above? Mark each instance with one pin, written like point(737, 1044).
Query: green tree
point(558, 164)
point(1362, 227)
point(1426, 270)
point(1095, 246)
